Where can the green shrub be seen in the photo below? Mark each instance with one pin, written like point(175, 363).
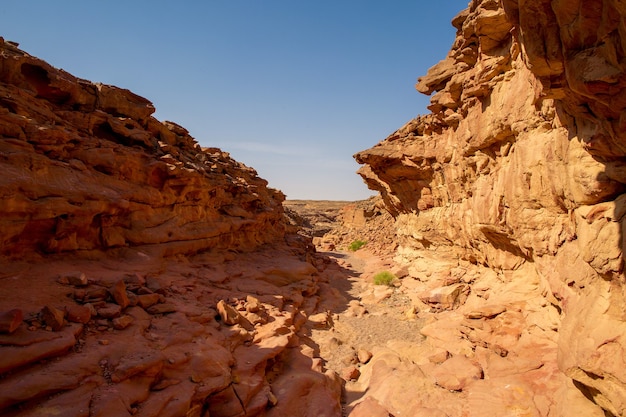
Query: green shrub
point(356, 245)
point(384, 278)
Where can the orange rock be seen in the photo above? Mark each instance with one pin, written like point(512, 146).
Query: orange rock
point(76, 278)
point(109, 311)
point(369, 407)
point(52, 317)
point(78, 314)
point(10, 320)
point(227, 313)
point(122, 322)
point(147, 300)
point(350, 373)
point(364, 356)
point(118, 292)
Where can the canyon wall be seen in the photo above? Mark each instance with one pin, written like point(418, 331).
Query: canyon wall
point(143, 275)
point(86, 167)
point(520, 166)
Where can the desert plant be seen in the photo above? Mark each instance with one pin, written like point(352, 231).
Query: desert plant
point(384, 278)
point(356, 245)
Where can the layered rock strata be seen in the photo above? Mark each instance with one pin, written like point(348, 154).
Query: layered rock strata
point(520, 167)
point(86, 167)
point(142, 274)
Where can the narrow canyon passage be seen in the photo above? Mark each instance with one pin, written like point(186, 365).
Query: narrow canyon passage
point(361, 319)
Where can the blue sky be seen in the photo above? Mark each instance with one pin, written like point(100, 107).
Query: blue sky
point(291, 88)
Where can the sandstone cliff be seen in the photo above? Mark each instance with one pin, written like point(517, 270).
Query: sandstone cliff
point(142, 274)
point(520, 167)
point(86, 167)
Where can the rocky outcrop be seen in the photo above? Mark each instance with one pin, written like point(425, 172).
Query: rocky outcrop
point(86, 167)
point(142, 274)
point(365, 221)
point(519, 167)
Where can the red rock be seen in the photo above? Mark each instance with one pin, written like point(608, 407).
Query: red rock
point(52, 317)
point(76, 278)
point(42, 345)
point(78, 314)
point(350, 373)
point(227, 313)
point(122, 322)
point(109, 311)
point(94, 295)
point(147, 300)
point(10, 320)
point(164, 308)
point(95, 182)
point(118, 292)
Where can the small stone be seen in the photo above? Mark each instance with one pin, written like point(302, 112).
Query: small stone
point(135, 279)
point(11, 320)
point(52, 317)
point(229, 315)
point(253, 305)
point(132, 299)
point(162, 309)
point(271, 398)
point(78, 314)
point(364, 356)
point(147, 300)
point(118, 292)
point(109, 311)
point(411, 313)
point(350, 373)
point(144, 290)
point(122, 322)
point(103, 342)
point(77, 278)
point(96, 294)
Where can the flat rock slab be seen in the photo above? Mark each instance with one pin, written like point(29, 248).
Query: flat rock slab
point(12, 357)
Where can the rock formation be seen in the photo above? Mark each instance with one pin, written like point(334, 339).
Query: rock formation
point(86, 167)
point(519, 168)
point(142, 274)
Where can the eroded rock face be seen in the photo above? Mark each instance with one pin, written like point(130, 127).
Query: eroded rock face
point(96, 317)
point(520, 164)
point(86, 167)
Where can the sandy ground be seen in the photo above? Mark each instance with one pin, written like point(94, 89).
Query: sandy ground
point(368, 316)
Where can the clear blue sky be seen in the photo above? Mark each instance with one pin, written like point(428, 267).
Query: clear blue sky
point(292, 88)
